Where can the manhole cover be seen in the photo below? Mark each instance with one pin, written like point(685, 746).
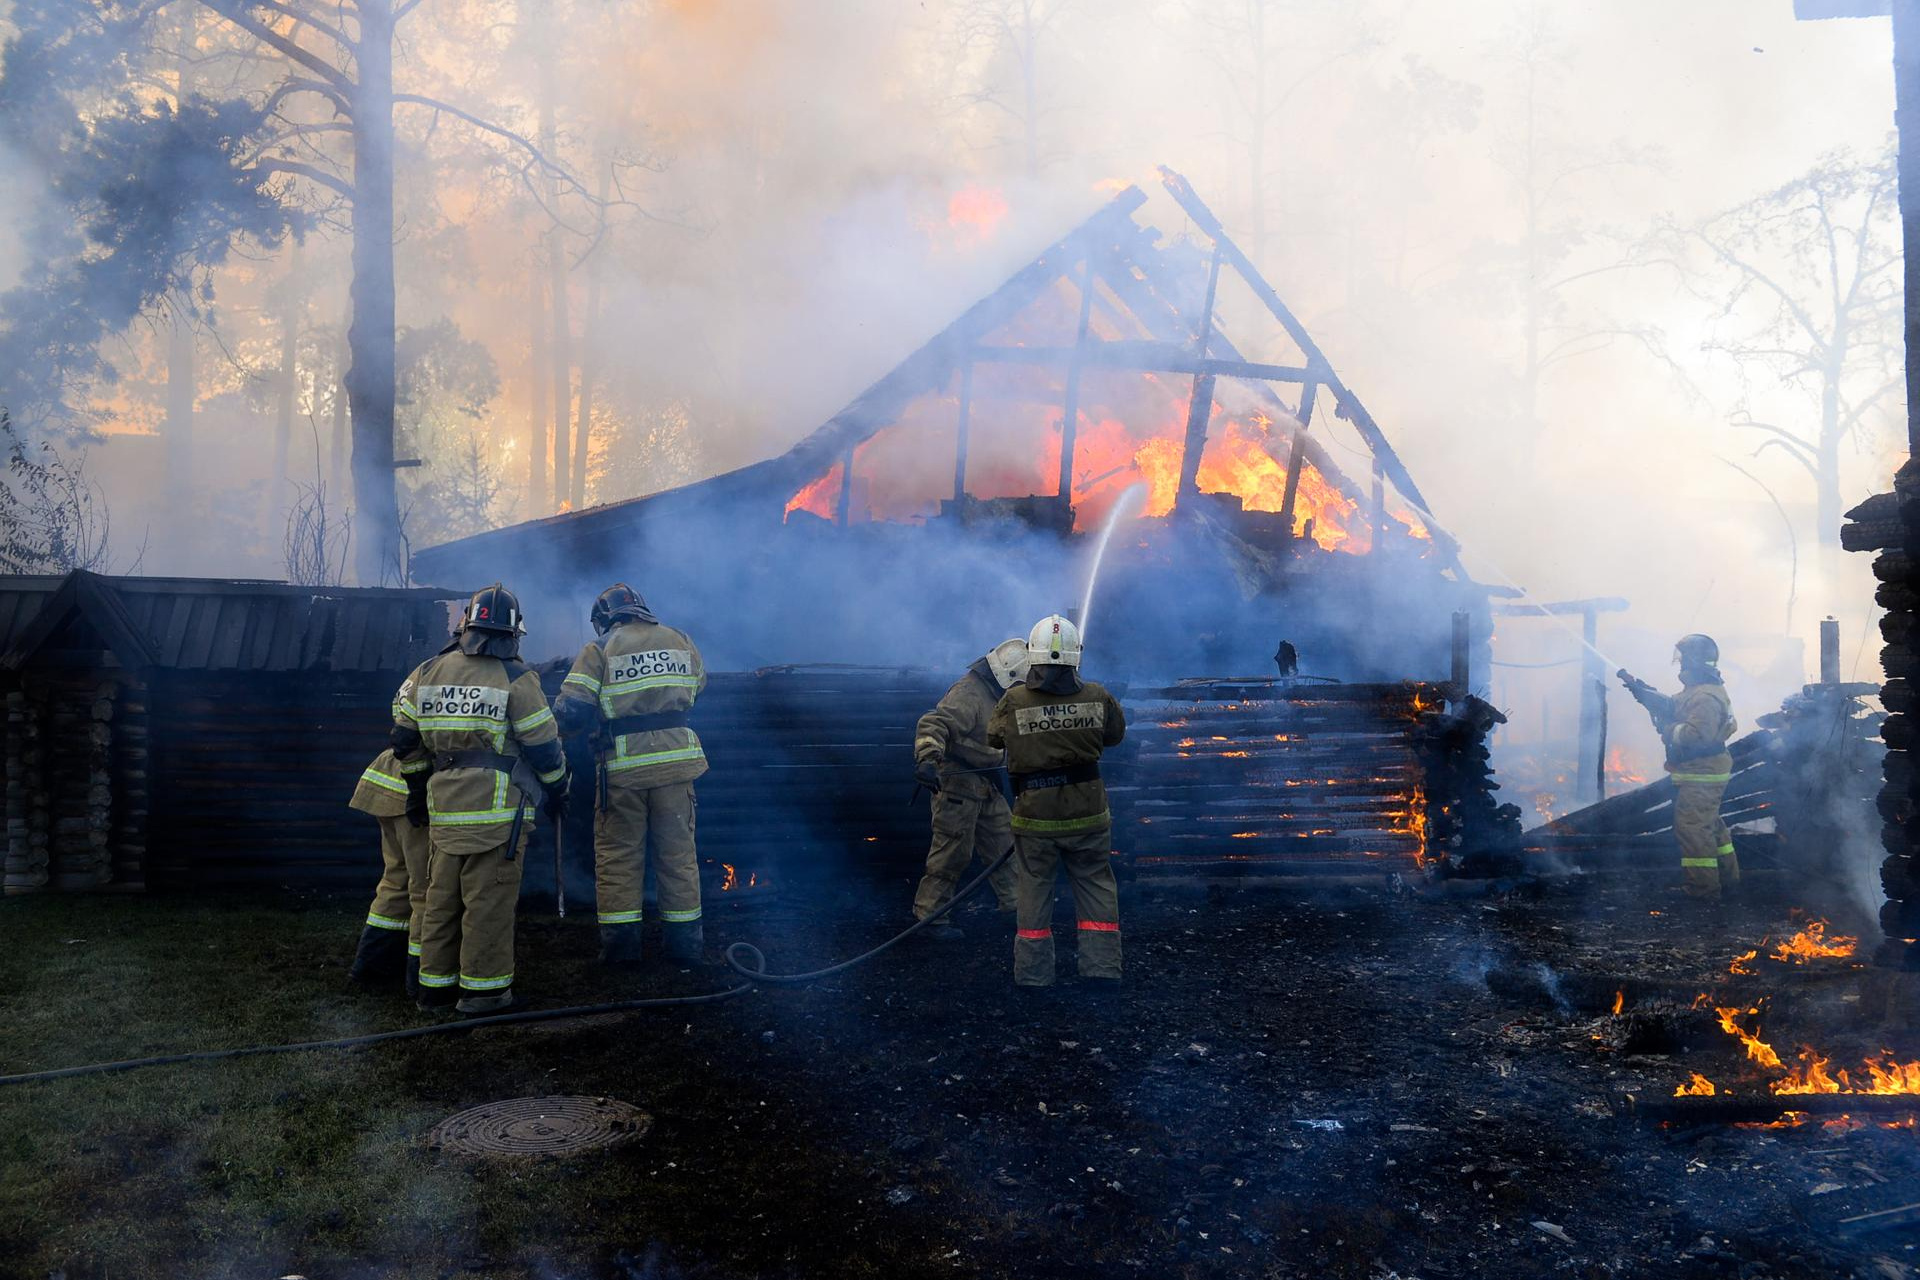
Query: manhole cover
point(540, 1127)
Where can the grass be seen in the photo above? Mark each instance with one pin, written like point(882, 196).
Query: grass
point(316, 1163)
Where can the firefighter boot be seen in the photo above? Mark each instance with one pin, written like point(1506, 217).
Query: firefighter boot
point(474, 1006)
point(683, 941)
point(413, 978)
point(620, 945)
point(380, 958)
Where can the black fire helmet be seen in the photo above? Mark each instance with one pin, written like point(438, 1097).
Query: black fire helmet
point(619, 603)
point(494, 609)
point(1697, 650)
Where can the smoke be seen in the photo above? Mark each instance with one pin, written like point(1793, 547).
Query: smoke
point(802, 194)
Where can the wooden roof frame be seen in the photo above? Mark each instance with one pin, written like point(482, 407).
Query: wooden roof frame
point(1119, 252)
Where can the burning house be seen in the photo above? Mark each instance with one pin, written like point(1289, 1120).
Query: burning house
point(1091, 416)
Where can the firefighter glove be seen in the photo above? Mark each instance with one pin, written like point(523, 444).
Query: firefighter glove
point(417, 801)
point(554, 803)
point(927, 774)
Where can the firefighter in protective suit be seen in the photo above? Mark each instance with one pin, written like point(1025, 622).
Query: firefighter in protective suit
point(390, 941)
point(477, 715)
point(634, 686)
point(1054, 727)
point(1696, 730)
point(951, 759)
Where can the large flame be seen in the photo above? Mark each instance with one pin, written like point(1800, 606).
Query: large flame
point(1812, 943)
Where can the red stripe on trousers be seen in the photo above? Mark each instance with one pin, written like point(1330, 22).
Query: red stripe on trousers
point(1101, 926)
point(1036, 935)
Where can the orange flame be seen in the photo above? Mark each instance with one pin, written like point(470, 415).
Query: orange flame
point(1698, 1087)
point(1812, 943)
point(1739, 964)
point(819, 498)
point(730, 879)
point(975, 213)
point(1619, 1002)
point(1757, 1049)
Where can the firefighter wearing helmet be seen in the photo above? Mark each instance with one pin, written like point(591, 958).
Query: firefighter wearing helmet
point(390, 940)
point(1054, 727)
point(1695, 725)
point(476, 715)
point(951, 759)
point(633, 687)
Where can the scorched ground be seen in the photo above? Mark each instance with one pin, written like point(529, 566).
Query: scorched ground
point(1363, 1085)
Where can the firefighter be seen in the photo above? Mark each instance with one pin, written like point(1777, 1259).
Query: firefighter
point(951, 759)
point(633, 687)
point(1696, 736)
point(390, 941)
point(477, 715)
point(1054, 727)
point(1695, 725)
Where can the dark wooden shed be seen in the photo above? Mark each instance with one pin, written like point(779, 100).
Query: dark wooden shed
point(170, 732)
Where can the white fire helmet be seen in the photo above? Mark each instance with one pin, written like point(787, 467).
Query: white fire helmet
point(1054, 641)
point(1008, 661)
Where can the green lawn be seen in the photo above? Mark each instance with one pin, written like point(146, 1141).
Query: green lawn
point(316, 1163)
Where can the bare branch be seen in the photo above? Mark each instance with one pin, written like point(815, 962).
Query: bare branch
point(552, 167)
point(234, 11)
point(276, 164)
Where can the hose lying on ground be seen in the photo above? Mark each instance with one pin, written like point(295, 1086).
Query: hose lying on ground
point(519, 1016)
point(752, 966)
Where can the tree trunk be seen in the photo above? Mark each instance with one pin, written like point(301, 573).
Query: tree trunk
point(180, 401)
point(1029, 89)
point(563, 486)
point(290, 311)
point(1257, 137)
point(589, 359)
point(536, 393)
point(370, 378)
point(337, 463)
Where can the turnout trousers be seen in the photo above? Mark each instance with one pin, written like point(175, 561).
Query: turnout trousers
point(466, 939)
point(1708, 864)
point(964, 825)
point(1096, 904)
point(400, 899)
point(620, 834)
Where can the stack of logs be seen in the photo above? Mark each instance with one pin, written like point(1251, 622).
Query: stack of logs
point(1469, 832)
point(1890, 524)
point(76, 789)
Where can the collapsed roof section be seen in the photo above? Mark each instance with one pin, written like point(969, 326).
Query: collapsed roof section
point(1107, 298)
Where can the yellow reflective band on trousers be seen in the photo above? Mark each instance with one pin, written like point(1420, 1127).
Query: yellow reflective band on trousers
point(485, 984)
point(680, 917)
point(619, 917)
point(384, 922)
point(413, 949)
point(436, 979)
point(1699, 862)
point(1701, 777)
point(1093, 822)
point(620, 763)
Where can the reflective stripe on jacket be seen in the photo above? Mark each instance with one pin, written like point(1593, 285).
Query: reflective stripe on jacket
point(462, 702)
point(1042, 731)
point(382, 789)
point(1697, 734)
point(638, 669)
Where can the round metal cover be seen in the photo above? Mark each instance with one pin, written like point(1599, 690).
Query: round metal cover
point(540, 1127)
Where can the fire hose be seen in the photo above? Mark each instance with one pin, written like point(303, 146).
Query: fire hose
point(754, 976)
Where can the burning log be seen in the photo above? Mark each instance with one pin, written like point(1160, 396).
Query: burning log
point(1724, 1108)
